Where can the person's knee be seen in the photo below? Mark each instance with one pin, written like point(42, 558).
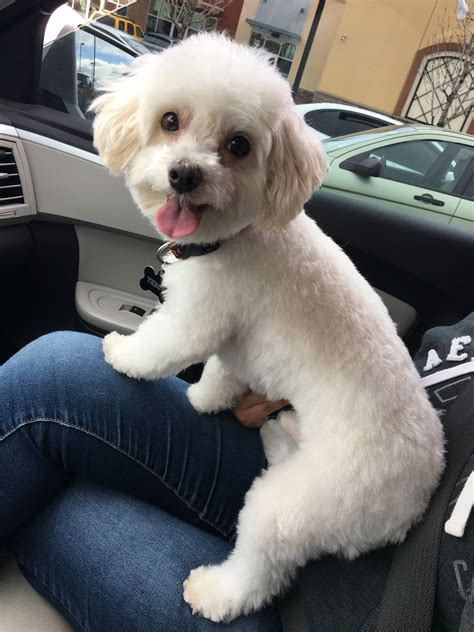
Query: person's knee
point(57, 340)
point(57, 353)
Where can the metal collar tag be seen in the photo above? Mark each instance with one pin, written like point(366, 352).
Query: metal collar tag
point(165, 255)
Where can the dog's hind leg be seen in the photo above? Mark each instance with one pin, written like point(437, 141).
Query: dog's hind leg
point(277, 533)
point(217, 389)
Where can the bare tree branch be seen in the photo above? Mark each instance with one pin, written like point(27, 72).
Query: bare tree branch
point(448, 75)
point(183, 12)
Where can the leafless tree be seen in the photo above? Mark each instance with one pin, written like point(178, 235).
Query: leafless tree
point(183, 11)
point(448, 77)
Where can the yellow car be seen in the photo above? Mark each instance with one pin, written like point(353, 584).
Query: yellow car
point(119, 22)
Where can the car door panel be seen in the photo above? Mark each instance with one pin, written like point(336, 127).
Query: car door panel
point(372, 194)
point(390, 194)
point(420, 175)
point(464, 215)
point(71, 185)
point(38, 274)
point(423, 263)
point(463, 224)
point(110, 268)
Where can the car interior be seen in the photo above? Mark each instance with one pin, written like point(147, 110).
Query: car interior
point(73, 246)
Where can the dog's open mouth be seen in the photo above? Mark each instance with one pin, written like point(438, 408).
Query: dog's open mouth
point(178, 218)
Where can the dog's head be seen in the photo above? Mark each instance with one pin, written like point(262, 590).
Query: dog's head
point(208, 139)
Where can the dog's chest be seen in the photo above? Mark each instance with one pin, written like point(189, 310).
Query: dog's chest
point(246, 361)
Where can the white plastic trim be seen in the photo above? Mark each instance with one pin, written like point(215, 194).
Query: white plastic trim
point(8, 130)
point(99, 306)
point(62, 147)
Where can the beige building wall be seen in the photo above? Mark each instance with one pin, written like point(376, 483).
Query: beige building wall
point(321, 47)
point(365, 51)
point(249, 10)
point(374, 48)
point(442, 18)
point(322, 44)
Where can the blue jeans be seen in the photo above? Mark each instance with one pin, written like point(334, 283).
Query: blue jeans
point(113, 489)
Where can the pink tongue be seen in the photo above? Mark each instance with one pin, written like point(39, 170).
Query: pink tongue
point(175, 220)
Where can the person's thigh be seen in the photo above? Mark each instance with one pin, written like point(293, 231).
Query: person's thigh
point(64, 412)
point(110, 562)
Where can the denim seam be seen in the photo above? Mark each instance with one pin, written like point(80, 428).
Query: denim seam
point(118, 449)
point(40, 578)
point(216, 473)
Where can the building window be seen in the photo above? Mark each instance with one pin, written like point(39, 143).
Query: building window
point(160, 18)
point(281, 51)
point(200, 23)
point(437, 78)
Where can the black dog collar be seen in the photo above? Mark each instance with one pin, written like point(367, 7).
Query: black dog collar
point(184, 251)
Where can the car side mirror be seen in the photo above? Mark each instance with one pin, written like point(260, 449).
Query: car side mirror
point(369, 167)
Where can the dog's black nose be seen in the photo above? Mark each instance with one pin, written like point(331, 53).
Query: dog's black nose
point(184, 178)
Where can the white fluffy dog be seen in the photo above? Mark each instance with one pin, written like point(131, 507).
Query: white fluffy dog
point(212, 150)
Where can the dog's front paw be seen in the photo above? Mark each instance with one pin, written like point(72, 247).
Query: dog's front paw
point(118, 352)
point(210, 592)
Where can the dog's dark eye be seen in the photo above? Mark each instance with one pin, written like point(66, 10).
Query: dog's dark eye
point(170, 122)
point(239, 146)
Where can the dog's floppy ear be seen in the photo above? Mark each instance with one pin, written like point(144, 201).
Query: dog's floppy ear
point(296, 166)
point(119, 127)
point(116, 126)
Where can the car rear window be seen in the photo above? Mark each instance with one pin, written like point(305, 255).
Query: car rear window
point(349, 123)
point(324, 121)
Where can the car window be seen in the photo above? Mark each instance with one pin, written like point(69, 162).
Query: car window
point(108, 20)
point(432, 164)
point(351, 123)
point(454, 173)
point(130, 30)
point(75, 67)
point(334, 123)
point(324, 121)
point(139, 32)
point(469, 190)
point(121, 25)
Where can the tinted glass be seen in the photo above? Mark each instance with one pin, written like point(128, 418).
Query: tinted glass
point(469, 191)
point(349, 123)
point(430, 164)
point(324, 121)
point(76, 67)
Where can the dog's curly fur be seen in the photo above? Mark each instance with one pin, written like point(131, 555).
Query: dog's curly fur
point(278, 308)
